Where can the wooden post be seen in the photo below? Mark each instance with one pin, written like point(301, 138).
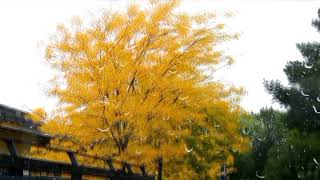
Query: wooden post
point(76, 174)
point(129, 169)
point(160, 168)
point(143, 170)
point(110, 165)
point(13, 171)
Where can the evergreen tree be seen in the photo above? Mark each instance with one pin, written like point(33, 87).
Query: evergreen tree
point(266, 129)
point(298, 157)
point(302, 96)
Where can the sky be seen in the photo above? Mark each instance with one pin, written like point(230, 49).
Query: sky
point(269, 33)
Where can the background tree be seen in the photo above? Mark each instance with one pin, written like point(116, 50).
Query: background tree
point(38, 115)
point(298, 157)
point(266, 130)
point(213, 144)
point(133, 85)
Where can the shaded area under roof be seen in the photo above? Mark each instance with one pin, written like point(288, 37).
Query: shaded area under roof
point(16, 116)
point(24, 134)
point(15, 125)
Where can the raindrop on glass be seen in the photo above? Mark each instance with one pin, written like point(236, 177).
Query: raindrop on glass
point(308, 67)
point(188, 150)
point(184, 98)
point(143, 139)
point(246, 132)
point(299, 176)
point(105, 99)
point(259, 176)
point(138, 152)
point(206, 132)
point(103, 130)
point(166, 118)
point(315, 109)
point(303, 94)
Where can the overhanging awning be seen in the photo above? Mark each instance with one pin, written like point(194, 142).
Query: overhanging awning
point(24, 134)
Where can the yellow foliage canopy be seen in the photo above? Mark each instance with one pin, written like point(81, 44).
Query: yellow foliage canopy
point(129, 83)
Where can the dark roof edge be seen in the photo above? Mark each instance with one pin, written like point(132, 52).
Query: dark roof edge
point(9, 107)
point(26, 130)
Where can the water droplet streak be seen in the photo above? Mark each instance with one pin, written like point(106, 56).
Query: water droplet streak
point(303, 94)
point(259, 176)
point(188, 150)
point(245, 132)
point(138, 152)
point(308, 67)
point(103, 130)
point(315, 109)
point(291, 147)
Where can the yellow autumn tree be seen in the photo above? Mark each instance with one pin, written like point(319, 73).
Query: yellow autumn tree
point(131, 84)
point(38, 115)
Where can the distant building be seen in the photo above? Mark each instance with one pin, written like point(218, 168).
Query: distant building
point(14, 125)
point(16, 116)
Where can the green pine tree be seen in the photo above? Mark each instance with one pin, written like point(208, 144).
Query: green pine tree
point(266, 129)
point(299, 156)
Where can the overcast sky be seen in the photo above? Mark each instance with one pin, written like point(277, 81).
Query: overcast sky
point(270, 30)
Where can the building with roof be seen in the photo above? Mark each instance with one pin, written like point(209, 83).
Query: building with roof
point(16, 127)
